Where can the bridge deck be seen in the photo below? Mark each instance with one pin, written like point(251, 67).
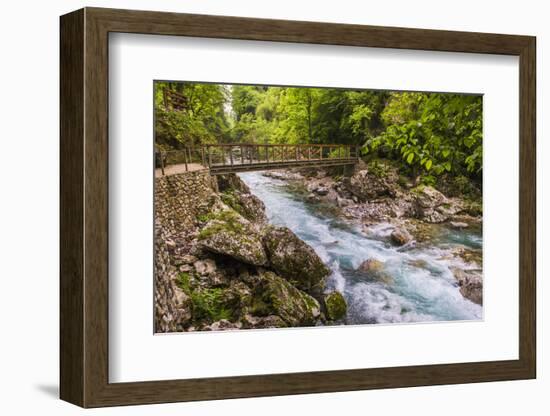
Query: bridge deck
point(219, 169)
point(228, 158)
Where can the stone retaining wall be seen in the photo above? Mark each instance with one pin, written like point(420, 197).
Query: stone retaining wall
point(178, 200)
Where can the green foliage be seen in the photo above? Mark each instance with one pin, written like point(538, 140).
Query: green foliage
point(433, 133)
point(208, 303)
point(183, 281)
point(429, 135)
point(204, 120)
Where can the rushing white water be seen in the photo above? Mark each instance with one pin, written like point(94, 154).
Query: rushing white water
point(422, 286)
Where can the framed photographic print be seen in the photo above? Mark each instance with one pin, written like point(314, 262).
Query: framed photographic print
point(256, 207)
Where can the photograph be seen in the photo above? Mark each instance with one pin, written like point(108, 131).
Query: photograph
point(295, 206)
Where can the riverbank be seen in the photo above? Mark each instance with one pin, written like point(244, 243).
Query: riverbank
point(226, 267)
point(392, 209)
point(284, 249)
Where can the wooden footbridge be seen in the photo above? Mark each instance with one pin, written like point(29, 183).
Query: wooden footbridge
point(233, 158)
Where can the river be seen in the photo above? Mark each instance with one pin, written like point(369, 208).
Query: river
point(421, 287)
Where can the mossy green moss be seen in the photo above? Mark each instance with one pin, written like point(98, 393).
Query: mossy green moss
point(229, 198)
point(207, 304)
point(227, 220)
point(279, 297)
point(336, 306)
point(183, 281)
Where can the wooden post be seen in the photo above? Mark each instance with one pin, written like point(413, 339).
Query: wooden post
point(296, 151)
point(209, 156)
point(242, 155)
point(339, 152)
point(203, 159)
point(308, 152)
point(267, 154)
point(231, 155)
point(161, 155)
point(185, 159)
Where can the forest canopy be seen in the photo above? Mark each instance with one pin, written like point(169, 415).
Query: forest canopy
point(425, 134)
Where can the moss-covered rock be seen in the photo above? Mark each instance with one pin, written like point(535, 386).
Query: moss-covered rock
point(236, 194)
point(294, 260)
point(380, 179)
point(277, 296)
point(248, 205)
point(374, 270)
point(336, 306)
point(231, 182)
point(228, 233)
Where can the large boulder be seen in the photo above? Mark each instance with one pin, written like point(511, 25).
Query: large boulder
point(232, 181)
point(400, 236)
point(229, 234)
point(236, 194)
point(294, 260)
point(432, 206)
point(336, 306)
point(375, 271)
point(248, 205)
point(471, 284)
point(367, 185)
point(277, 296)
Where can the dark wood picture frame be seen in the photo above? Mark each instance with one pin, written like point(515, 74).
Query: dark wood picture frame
point(84, 207)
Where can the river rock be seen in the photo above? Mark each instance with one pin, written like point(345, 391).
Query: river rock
point(186, 259)
point(469, 255)
point(270, 321)
point(321, 191)
point(458, 225)
point(205, 267)
point(222, 325)
point(366, 186)
point(183, 307)
point(312, 198)
point(279, 297)
point(374, 270)
point(336, 306)
point(471, 284)
point(400, 236)
point(232, 235)
point(430, 204)
point(370, 266)
point(236, 194)
point(248, 205)
point(283, 175)
point(232, 182)
point(294, 260)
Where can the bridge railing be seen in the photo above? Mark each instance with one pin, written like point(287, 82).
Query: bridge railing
point(239, 154)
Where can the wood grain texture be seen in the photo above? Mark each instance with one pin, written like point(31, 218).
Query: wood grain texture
point(84, 207)
point(71, 100)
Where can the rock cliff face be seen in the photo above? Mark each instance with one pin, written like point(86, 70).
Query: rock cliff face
point(219, 265)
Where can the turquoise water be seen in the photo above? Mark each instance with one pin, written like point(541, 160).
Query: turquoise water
point(421, 288)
